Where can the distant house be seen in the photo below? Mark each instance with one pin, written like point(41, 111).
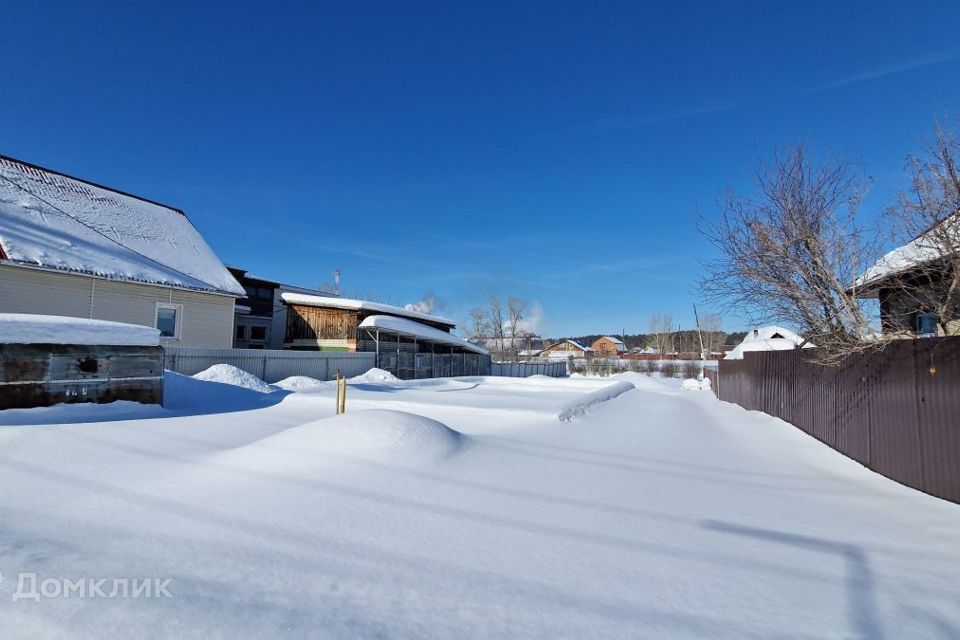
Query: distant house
point(608, 346)
point(566, 349)
point(768, 339)
point(260, 321)
point(69, 247)
point(906, 281)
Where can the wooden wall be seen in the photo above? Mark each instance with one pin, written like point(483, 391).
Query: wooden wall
point(315, 323)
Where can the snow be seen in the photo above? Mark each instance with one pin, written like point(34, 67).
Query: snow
point(357, 305)
point(917, 252)
point(417, 330)
point(579, 407)
point(772, 338)
point(374, 375)
point(300, 383)
point(692, 384)
point(229, 374)
point(463, 508)
point(22, 328)
point(52, 221)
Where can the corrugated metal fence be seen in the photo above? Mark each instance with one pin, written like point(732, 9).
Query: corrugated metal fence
point(270, 365)
point(524, 369)
point(896, 411)
point(274, 365)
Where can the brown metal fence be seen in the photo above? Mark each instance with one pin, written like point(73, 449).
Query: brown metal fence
point(896, 411)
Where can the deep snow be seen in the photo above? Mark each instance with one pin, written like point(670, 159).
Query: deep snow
point(28, 328)
point(463, 508)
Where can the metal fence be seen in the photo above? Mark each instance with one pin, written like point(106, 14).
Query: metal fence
point(524, 369)
point(410, 365)
point(270, 365)
point(896, 411)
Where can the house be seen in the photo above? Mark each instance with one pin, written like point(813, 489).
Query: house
point(771, 338)
point(565, 350)
point(909, 283)
point(407, 343)
point(70, 247)
point(608, 346)
point(260, 320)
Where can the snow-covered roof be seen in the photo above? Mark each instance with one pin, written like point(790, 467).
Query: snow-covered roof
point(417, 330)
point(23, 328)
point(917, 252)
point(54, 221)
point(574, 343)
point(357, 305)
point(616, 341)
point(770, 338)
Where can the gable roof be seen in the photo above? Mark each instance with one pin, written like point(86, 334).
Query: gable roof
point(770, 338)
point(574, 343)
point(54, 221)
point(361, 305)
point(924, 249)
point(616, 341)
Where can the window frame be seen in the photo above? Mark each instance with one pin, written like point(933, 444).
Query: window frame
point(917, 324)
point(177, 319)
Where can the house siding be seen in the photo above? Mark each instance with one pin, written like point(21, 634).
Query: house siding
point(207, 318)
point(898, 312)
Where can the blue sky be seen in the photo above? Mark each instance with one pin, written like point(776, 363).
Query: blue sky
point(560, 152)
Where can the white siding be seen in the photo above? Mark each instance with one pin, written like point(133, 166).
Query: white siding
point(207, 319)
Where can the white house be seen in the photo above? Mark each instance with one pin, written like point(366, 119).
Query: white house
point(69, 247)
point(768, 339)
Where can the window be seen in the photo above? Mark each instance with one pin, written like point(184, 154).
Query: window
point(168, 320)
point(926, 324)
point(251, 291)
point(241, 332)
point(258, 333)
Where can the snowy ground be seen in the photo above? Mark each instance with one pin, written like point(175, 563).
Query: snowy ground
point(462, 508)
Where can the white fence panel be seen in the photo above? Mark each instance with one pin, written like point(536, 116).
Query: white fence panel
point(270, 365)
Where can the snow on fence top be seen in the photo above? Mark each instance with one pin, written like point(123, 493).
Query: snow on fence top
point(57, 222)
point(417, 330)
point(770, 338)
point(22, 328)
point(357, 305)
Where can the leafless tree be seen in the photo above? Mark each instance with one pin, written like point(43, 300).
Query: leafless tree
point(929, 213)
point(711, 328)
point(495, 318)
point(516, 307)
point(479, 325)
point(661, 330)
point(790, 252)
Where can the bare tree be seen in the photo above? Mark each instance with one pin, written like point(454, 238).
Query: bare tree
point(790, 252)
point(516, 307)
point(661, 330)
point(479, 325)
point(929, 212)
point(711, 327)
point(496, 322)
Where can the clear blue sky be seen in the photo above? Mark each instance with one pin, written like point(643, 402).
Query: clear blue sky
point(555, 151)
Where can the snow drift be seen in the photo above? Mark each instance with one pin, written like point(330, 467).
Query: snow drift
point(229, 374)
point(375, 434)
point(579, 406)
point(301, 383)
point(28, 328)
